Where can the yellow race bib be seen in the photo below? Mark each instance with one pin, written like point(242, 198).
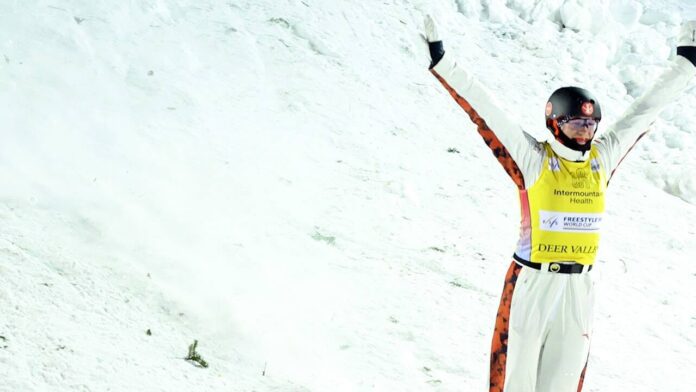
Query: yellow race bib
point(564, 211)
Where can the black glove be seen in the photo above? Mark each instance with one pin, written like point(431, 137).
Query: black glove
point(437, 50)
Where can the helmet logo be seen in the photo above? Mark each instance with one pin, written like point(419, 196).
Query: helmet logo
point(549, 108)
point(587, 108)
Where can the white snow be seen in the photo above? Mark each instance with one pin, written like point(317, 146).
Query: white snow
point(272, 178)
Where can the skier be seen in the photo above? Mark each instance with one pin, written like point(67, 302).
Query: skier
point(543, 328)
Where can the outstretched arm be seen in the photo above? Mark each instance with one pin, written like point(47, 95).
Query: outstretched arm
point(620, 138)
point(518, 153)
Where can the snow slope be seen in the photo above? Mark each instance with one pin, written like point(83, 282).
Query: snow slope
point(285, 182)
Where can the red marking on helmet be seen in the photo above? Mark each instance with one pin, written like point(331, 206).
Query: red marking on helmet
point(549, 108)
point(587, 108)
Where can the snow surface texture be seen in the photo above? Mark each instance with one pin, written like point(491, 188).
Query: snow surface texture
point(285, 182)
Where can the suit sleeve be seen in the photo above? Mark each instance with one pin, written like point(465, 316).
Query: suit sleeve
point(620, 138)
point(518, 152)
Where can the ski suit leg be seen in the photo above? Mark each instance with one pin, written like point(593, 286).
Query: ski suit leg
point(567, 345)
point(499, 346)
point(528, 316)
point(530, 352)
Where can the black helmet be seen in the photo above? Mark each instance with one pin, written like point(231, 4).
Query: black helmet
point(567, 103)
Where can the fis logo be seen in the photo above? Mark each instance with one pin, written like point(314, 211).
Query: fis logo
point(550, 221)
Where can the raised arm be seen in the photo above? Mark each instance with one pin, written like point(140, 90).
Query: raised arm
point(620, 138)
point(518, 152)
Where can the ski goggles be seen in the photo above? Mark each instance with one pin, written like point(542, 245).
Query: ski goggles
point(579, 123)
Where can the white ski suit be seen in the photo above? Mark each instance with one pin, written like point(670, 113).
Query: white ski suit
point(544, 323)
